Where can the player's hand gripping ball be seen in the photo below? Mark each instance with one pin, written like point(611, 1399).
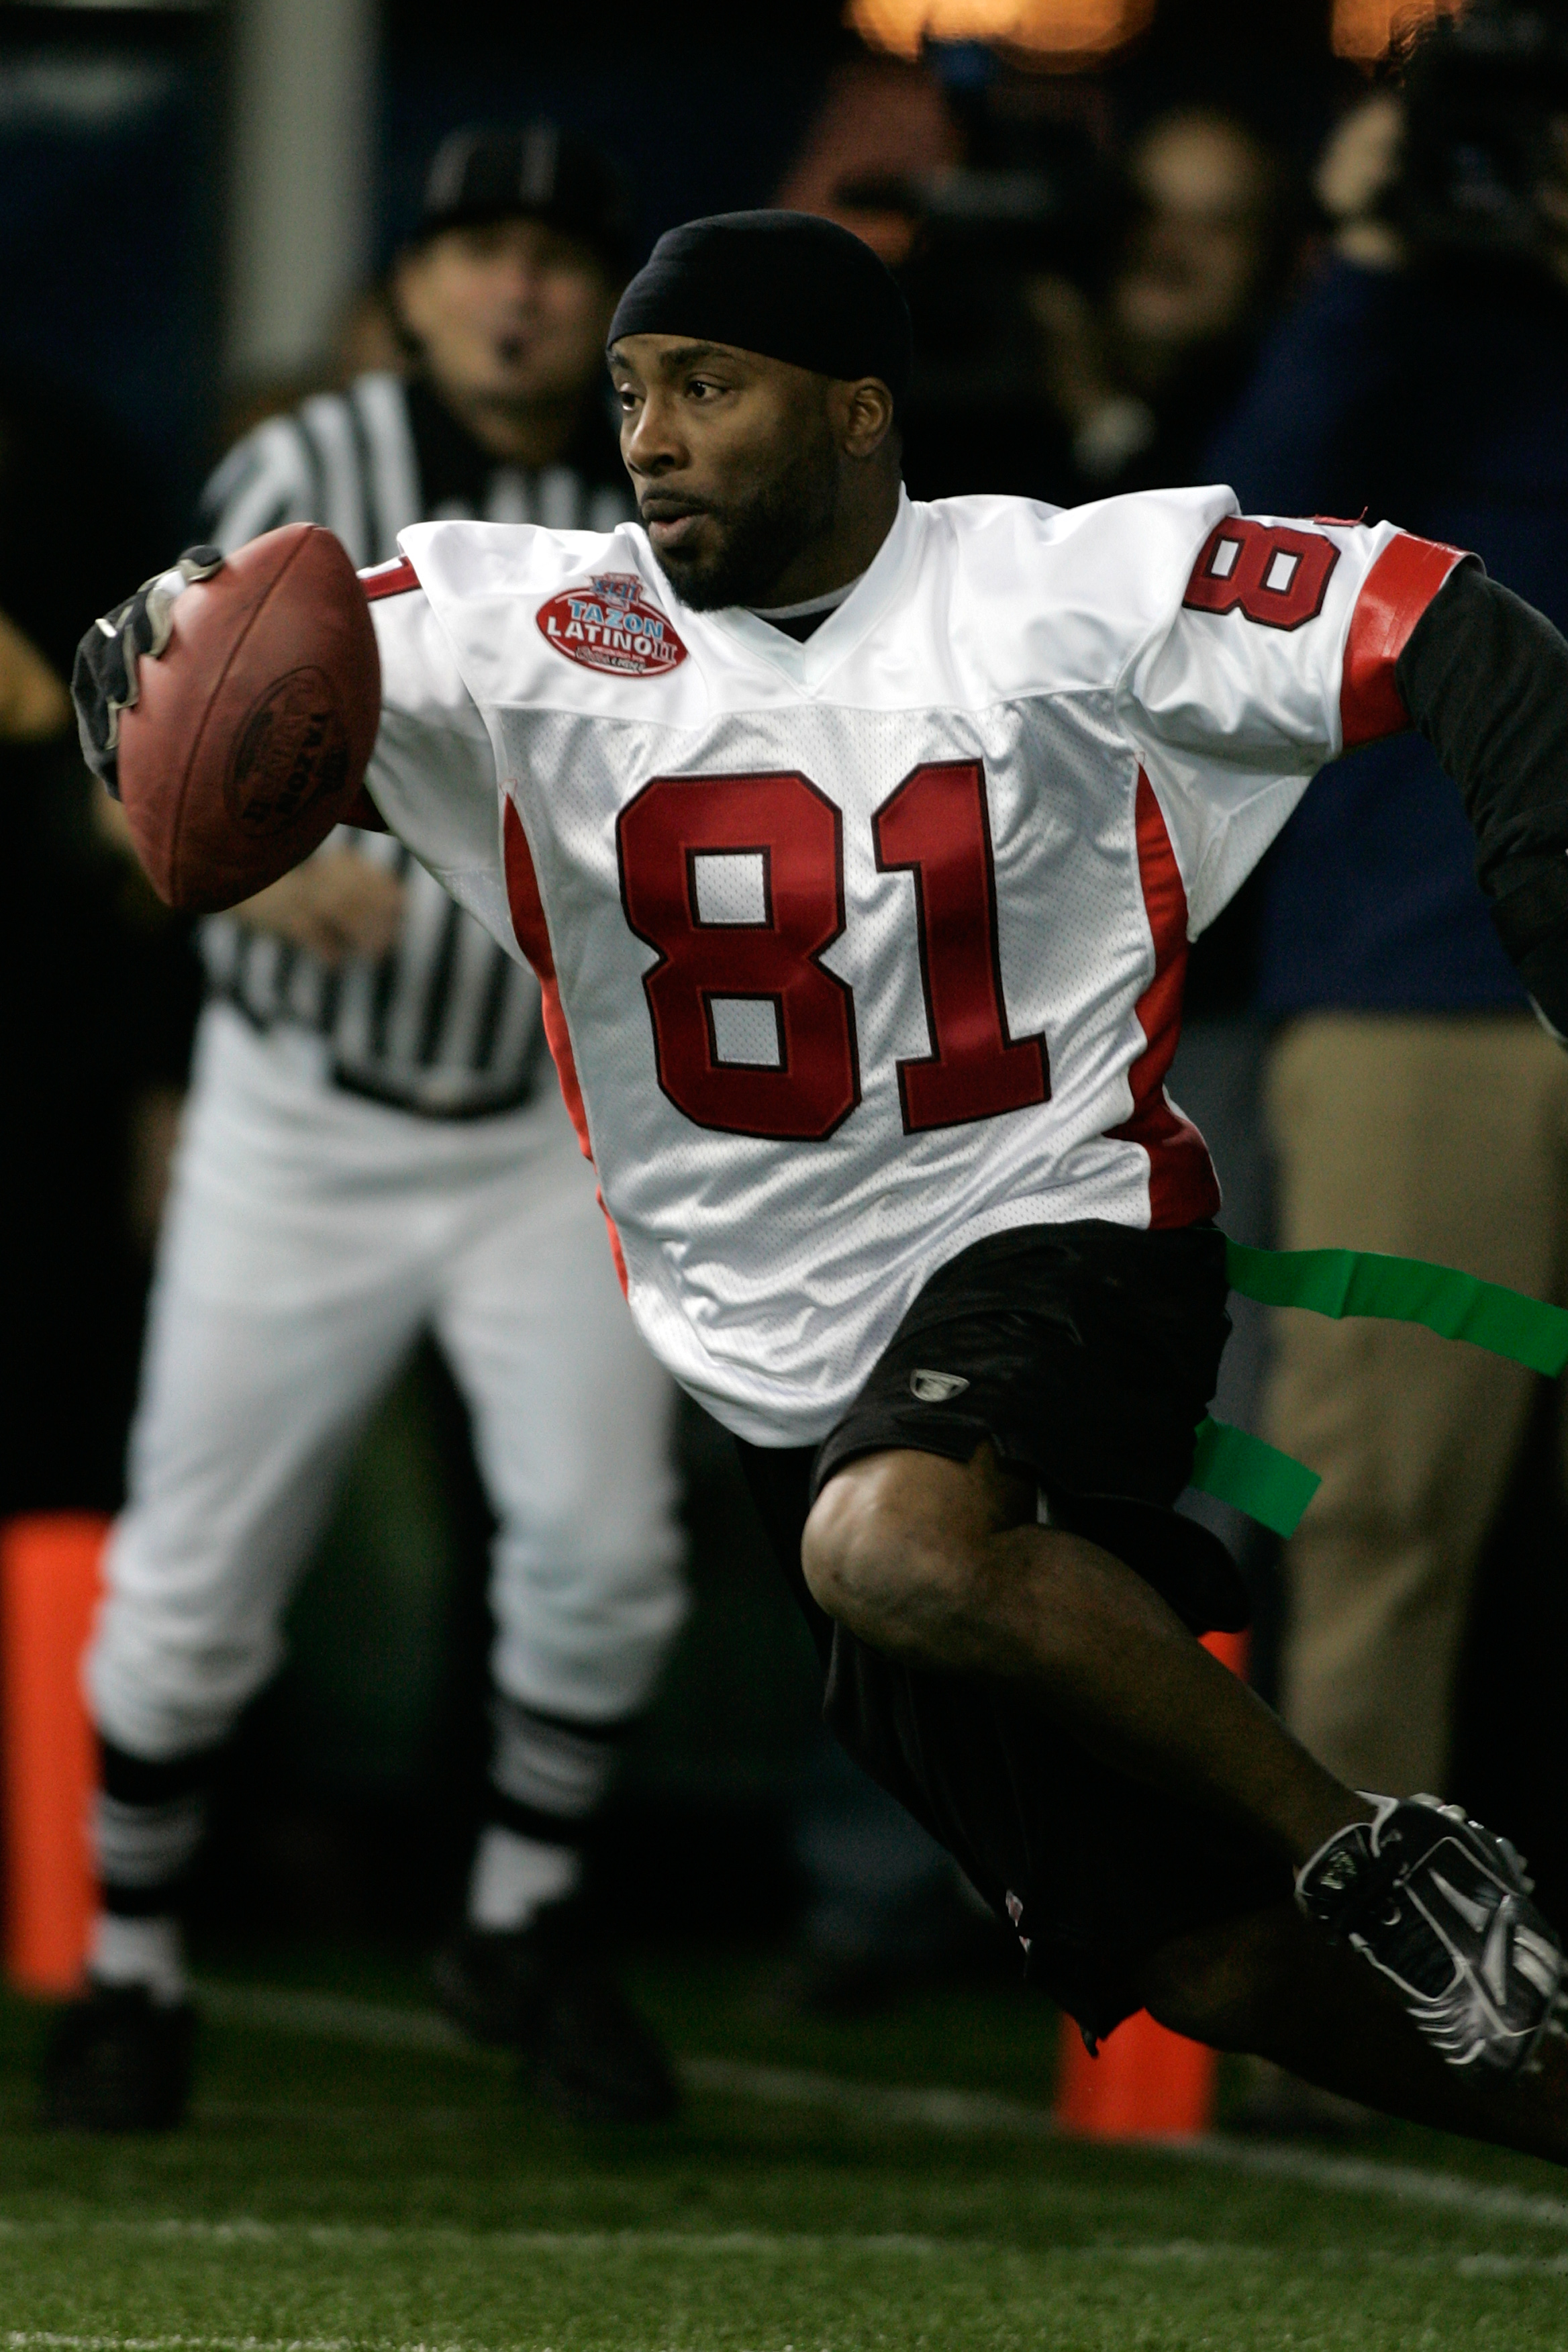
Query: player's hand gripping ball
point(232, 706)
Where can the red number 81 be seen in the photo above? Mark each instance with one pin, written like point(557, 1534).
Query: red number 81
point(791, 1066)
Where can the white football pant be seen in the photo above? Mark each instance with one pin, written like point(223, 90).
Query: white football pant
point(311, 1237)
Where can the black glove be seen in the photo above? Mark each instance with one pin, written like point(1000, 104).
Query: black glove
point(104, 681)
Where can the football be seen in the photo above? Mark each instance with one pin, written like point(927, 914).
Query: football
point(253, 728)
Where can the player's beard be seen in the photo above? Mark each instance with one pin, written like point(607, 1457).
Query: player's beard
point(760, 536)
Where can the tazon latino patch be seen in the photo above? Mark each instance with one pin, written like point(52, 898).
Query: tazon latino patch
point(608, 623)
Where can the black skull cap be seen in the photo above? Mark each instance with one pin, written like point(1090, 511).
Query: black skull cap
point(536, 171)
point(787, 285)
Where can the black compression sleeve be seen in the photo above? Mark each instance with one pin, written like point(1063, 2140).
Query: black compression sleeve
point(1485, 678)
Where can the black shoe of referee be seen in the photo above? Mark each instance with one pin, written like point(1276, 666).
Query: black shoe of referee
point(540, 1990)
point(1441, 1908)
point(119, 2060)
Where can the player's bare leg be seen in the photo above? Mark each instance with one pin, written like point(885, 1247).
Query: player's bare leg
point(1267, 1985)
point(937, 1563)
point(940, 1563)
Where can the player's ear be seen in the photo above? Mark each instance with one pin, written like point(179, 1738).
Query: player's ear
point(408, 286)
point(862, 415)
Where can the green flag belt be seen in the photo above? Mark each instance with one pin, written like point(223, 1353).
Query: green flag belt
point(1272, 1488)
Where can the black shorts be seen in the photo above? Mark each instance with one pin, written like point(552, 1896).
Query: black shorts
point(1086, 1354)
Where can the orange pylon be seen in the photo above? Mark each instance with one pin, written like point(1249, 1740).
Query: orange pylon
point(49, 1572)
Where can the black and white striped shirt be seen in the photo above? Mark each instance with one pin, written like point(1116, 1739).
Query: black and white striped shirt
point(444, 1024)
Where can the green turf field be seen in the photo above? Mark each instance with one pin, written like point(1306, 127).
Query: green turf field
point(349, 2180)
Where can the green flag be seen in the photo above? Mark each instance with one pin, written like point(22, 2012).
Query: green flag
point(1271, 1486)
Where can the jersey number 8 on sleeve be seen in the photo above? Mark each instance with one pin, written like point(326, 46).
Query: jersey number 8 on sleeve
point(738, 883)
point(1273, 575)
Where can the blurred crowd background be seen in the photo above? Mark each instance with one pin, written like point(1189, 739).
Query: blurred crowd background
point(1144, 242)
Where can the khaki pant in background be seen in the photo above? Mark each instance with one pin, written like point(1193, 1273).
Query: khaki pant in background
point(1442, 1136)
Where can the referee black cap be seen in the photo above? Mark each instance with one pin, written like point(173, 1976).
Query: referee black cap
point(787, 285)
point(540, 171)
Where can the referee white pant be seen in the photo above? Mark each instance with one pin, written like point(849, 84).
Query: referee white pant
point(310, 1238)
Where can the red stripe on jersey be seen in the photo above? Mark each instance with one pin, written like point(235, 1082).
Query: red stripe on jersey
point(389, 580)
point(1181, 1187)
point(1394, 595)
point(533, 937)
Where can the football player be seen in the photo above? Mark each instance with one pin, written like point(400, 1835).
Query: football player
point(858, 845)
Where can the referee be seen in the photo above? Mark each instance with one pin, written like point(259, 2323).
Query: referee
point(374, 1147)
point(505, 294)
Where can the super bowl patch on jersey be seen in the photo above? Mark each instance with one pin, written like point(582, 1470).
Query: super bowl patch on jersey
point(608, 623)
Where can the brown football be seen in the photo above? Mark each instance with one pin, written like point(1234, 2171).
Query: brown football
point(255, 726)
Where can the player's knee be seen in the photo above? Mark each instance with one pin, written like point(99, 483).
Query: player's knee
point(880, 1562)
point(574, 1570)
point(1203, 1999)
point(160, 1688)
point(160, 1716)
point(1215, 1985)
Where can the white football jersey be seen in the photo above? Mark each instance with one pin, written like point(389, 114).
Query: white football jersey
point(859, 950)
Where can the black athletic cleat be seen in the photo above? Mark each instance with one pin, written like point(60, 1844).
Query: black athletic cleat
point(118, 2061)
point(1442, 1908)
point(539, 1991)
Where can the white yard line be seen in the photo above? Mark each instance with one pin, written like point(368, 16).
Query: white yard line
point(1178, 2253)
point(336, 2017)
point(19, 2339)
point(44, 2341)
point(979, 2113)
point(374, 2237)
point(1363, 2176)
point(958, 2114)
point(24, 2339)
point(39, 2340)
